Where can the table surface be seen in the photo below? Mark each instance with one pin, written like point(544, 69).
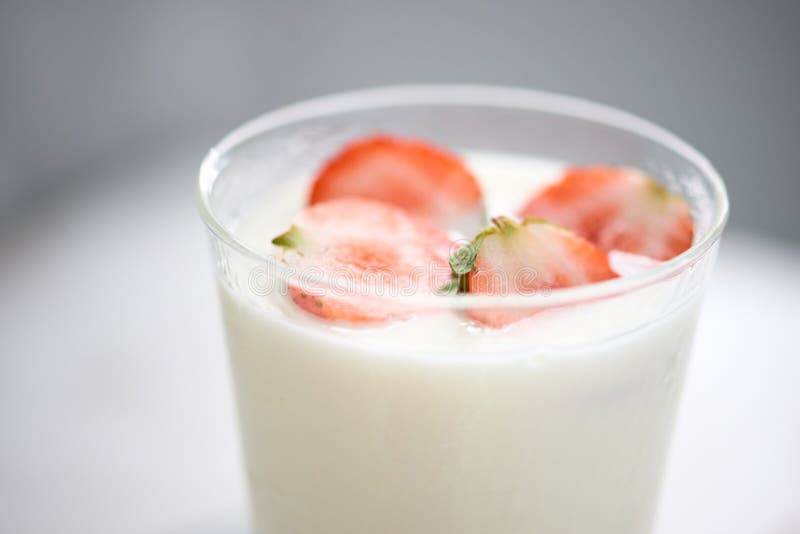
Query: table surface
point(115, 403)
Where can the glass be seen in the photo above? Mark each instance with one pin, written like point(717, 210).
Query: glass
point(455, 431)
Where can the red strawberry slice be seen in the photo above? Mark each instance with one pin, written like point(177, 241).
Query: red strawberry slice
point(617, 208)
point(368, 251)
point(513, 258)
point(414, 175)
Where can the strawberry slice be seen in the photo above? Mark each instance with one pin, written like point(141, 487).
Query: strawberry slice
point(414, 175)
point(512, 258)
point(366, 253)
point(617, 208)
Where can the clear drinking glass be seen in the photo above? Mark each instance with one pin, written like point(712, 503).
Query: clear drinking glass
point(398, 430)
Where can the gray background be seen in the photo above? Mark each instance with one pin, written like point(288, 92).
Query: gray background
point(116, 412)
point(85, 83)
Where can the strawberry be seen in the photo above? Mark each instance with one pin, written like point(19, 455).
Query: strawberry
point(617, 208)
point(414, 175)
point(370, 251)
point(513, 258)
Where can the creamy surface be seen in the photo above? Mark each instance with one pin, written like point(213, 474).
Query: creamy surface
point(557, 424)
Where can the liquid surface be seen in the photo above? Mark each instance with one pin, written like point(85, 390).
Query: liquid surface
point(507, 182)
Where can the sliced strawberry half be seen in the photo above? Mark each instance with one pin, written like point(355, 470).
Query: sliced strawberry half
point(511, 258)
point(414, 175)
point(354, 256)
point(617, 208)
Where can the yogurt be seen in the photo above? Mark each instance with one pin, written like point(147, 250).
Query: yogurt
point(557, 424)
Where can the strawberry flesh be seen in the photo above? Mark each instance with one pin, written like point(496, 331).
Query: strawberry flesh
point(512, 258)
point(414, 175)
point(370, 251)
point(617, 208)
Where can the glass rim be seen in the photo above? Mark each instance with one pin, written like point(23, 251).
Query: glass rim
point(478, 95)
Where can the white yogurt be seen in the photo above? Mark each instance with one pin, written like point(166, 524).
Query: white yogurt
point(558, 424)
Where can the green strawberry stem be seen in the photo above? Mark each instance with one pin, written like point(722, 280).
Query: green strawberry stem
point(451, 287)
point(505, 224)
point(462, 261)
point(292, 238)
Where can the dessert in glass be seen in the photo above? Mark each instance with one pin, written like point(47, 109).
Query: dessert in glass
point(458, 309)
